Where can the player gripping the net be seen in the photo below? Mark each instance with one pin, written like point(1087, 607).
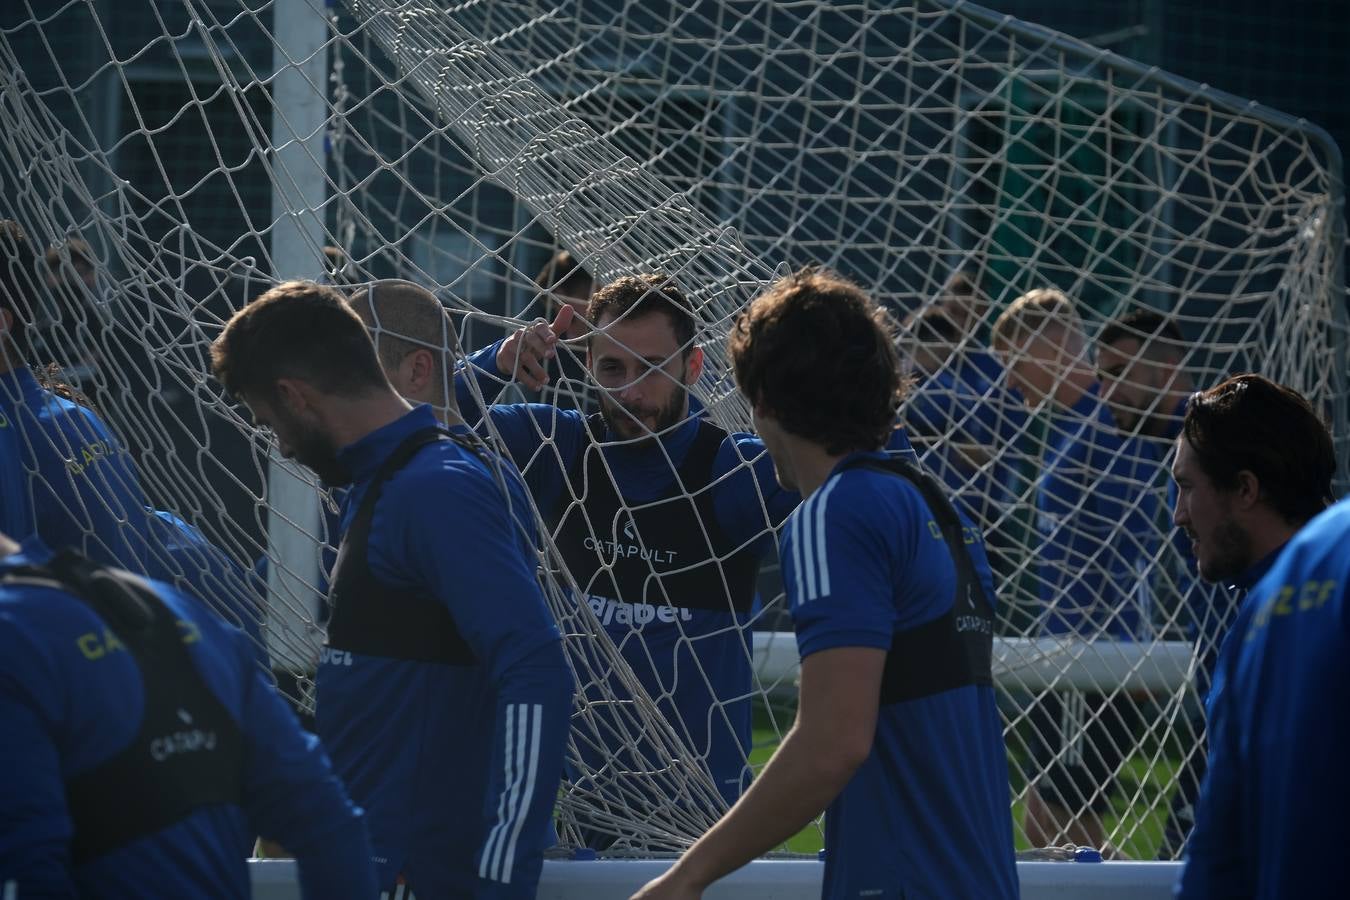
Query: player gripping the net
point(442, 694)
point(897, 727)
point(661, 518)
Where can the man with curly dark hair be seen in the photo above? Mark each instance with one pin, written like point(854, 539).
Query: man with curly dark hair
point(897, 729)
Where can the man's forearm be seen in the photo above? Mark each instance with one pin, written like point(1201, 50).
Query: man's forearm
point(798, 783)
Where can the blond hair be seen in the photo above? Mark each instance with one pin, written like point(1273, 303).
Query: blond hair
point(1032, 315)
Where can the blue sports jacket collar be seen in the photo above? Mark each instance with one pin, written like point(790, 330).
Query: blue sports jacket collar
point(361, 458)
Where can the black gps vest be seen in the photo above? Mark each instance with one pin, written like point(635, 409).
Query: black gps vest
point(188, 752)
point(956, 649)
point(670, 551)
point(375, 619)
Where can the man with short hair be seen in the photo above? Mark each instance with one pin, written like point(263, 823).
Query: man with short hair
point(1274, 798)
point(1254, 462)
point(415, 341)
point(443, 695)
point(1140, 361)
point(944, 417)
point(142, 751)
point(997, 410)
point(1140, 358)
point(662, 518)
point(1095, 516)
point(897, 728)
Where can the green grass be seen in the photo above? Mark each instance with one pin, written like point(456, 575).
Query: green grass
point(1138, 806)
point(810, 839)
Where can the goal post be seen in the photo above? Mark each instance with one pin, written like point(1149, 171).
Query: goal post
point(299, 190)
point(721, 144)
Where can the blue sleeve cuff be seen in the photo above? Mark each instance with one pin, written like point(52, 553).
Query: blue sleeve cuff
point(831, 639)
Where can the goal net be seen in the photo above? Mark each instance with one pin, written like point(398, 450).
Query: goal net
point(179, 158)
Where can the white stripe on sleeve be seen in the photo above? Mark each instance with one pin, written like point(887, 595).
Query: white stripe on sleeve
point(531, 771)
point(823, 558)
point(498, 830)
point(797, 558)
point(808, 550)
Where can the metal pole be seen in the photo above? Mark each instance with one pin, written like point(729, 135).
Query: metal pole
point(300, 61)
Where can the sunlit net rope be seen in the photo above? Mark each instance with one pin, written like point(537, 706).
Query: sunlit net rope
point(718, 143)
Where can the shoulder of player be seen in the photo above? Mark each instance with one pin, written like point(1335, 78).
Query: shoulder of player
point(445, 473)
point(737, 449)
point(1318, 550)
point(862, 498)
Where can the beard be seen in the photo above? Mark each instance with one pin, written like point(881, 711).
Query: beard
point(315, 450)
point(1230, 553)
point(642, 424)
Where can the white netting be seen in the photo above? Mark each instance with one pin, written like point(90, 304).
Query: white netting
point(717, 142)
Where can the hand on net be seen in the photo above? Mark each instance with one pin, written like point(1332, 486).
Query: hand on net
point(524, 355)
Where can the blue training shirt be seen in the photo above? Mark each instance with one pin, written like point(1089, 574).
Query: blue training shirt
point(1000, 410)
point(70, 699)
point(1096, 515)
point(1274, 798)
point(181, 555)
point(954, 420)
point(457, 766)
point(927, 814)
point(698, 663)
point(76, 486)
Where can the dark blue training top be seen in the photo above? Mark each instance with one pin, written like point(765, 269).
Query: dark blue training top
point(927, 814)
point(71, 699)
point(954, 420)
point(1001, 410)
point(1273, 802)
point(65, 478)
point(180, 554)
point(693, 656)
point(457, 766)
point(1096, 516)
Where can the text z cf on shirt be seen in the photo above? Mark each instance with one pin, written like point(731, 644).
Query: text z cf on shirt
point(1273, 801)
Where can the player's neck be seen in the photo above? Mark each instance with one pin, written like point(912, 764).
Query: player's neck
point(811, 465)
point(1270, 534)
point(450, 418)
point(365, 414)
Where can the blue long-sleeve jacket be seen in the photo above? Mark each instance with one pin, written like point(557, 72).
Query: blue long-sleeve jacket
point(1094, 573)
point(694, 662)
point(457, 766)
point(1273, 799)
point(70, 699)
point(66, 479)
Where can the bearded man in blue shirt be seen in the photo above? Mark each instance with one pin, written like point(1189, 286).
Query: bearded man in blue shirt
point(442, 694)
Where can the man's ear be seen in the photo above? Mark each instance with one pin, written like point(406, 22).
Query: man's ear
point(294, 396)
point(694, 370)
point(1248, 491)
point(419, 367)
point(6, 320)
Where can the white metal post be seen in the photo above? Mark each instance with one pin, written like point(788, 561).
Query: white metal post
point(300, 61)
